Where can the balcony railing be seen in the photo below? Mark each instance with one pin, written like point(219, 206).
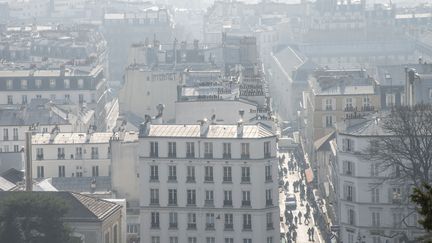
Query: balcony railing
point(60, 156)
point(208, 179)
point(227, 203)
point(154, 178)
point(191, 226)
point(154, 154)
point(229, 227)
point(191, 202)
point(172, 202)
point(245, 179)
point(172, 155)
point(39, 157)
point(190, 155)
point(210, 226)
point(246, 203)
point(247, 227)
point(245, 156)
point(268, 179)
point(190, 179)
point(269, 202)
point(154, 201)
point(209, 203)
point(208, 155)
point(172, 178)
point(226, 155)
point(155, 225)
point(227, 179)
point(172, 225)
point(270, 226)
point(95, 155)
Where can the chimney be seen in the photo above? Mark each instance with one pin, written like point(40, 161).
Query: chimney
point(159, 116)
point(213, 119)
point(54, 133)
point(145, 126)
point(240, 124)
point(204, 126)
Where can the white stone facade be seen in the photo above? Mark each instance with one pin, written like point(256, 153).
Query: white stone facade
point(193, 188)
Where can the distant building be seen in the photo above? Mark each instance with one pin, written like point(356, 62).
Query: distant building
point(91, 220)
point(239, 196)
point(29, 9)
point(60, 154)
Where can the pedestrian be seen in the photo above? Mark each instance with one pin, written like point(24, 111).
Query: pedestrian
point(306, 219)
point(295, 220)
point(312, 233)
point(309, 234)
point(294, 236)
point(307, 208)
point(300, 216)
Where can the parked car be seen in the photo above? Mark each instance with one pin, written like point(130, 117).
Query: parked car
point(291, 201)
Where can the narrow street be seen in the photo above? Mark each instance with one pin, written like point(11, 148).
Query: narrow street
point(287, 228)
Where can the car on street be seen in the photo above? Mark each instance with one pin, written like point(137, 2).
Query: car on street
point(291, 201)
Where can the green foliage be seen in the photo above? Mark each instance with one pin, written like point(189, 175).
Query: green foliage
point(33, 217)
point(423, 198)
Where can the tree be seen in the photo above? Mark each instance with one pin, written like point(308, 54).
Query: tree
point(423, 198)
point(33, 217)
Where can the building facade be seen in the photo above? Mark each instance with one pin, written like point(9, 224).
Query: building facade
point(208, 183)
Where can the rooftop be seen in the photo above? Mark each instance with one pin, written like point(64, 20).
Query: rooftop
point(71, 138)
point(214, 131)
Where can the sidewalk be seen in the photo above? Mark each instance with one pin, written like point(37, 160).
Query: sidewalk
point(302, 229)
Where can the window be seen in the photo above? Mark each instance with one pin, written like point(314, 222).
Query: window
point(347, 145)
point(226, 150)
point(78, 171)
point(210, 240)
point(349, 193)
point(80, 83)
point(191, 197)
point(39, 154)
point(208, 150)
point(229, 240)
point(349, 104)
point(396, 195)
point(40, 172)
point(173, 220)
point(246, 199)
point(376, 239)
point(328, 121)
point(376, 219)
point(270, 239)
point(366, 102)
point(154, 220)
point(374, 169)
point(397, 219)
point(172, 197)
point(132, 228)
point(38, 96)
point(267, 153)
point(52, 83)
point(78, 153)
point(6, 148)
point(397, 171)
point(402, 98)
point(15, 134)
point(24, 99)
point(375, 195)
point(172, 173)
point(173, 239)
point(247, 222)
point(24, 84)
point(38, 83)
point(154, 149)
point(60, 153)
point(155, 239)
point(227, 198)
point(191, 221)
point(348, 168)
point(390, 99)
point(245, 178)
point(95, 171)
point(154, 196)
point(190, 150)
point(208, 170)
point(351, 216)
point(190, 174)
point(269, 220)
point(66, 83)
point(210, 221)
point(16, 148)
point(269, 200)
point(209, 198)
point(115, 234)
point(245, 151)
point(328, 104)
point(61, 171)
point(172, 149)
point(154, 173)
point(9, 84)
point(268, 174)
point(81, 98)
point(10, 99)
point(227, 176)
point(95, 153)
point(192, 240)
point(228, 221)
point(5, 134)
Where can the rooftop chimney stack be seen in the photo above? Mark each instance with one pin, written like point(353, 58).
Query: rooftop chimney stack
point(204, 126)
point(145, 126)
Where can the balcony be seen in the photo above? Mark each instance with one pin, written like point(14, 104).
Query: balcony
point(246, 203)
point(154, 154)
point(191, 203)
point(208, 179)
point(60, 156)
point(172, 178)
point(172, 155)
point(154, 178)
point(155, 225)
point(226, 156)
point(209, 203)
point(172, 226)
point(208, 155)
point(154, 201)
point(268, 179)
point(245, 179)
point(15, 138)
point(368, 108)
point(190, 179)
point(190, 155)
point(227, 203)
point(269, 203)
point(245, 156)
point(78, 156)
point(270, 226)
point(191, 226)
point(5, 138)
point(350, 108)
point(210, 226)
point(229, 227)
point(227, 179)
point(94, 155)
point(247, 227)
point(172, 202)
point(39, 157)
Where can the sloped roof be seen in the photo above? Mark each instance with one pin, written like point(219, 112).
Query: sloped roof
point(321, 142)
point(81, 208)
point(13, 175)
point(288, 60)
point(5, 185)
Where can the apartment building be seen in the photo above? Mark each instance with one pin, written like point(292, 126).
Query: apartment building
point(371, 206)
point(208, 183)
point(59, 154)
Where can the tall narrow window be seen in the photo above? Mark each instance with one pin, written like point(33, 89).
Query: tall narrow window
point(268, 174)
point(190, 150)
point(208, 170)
point(245, 151)
point(172, 173)
point(154, 149)
point(190, 174)
point(154, 196)
point(155, 219)
point(208, 150)
point(154, 173)
point(267, 153)
point(227, 150)
point(227, 176)
point(247, 222)
point(95, 170)
point(15, 134)
point(172, 197)
point(245, 178)
point(172, 149)
point(40, 172)
point(191, 197)
point(173, 220)
point(61, 171)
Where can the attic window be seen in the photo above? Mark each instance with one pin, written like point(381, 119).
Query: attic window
point(387, 76)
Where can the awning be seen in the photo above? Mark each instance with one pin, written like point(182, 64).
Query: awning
point(309, 175)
